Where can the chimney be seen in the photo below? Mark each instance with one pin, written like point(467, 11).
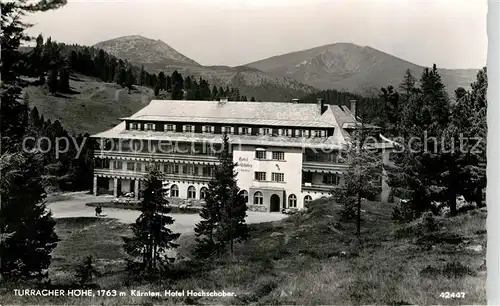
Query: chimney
point(353, 107)
point(321, 106)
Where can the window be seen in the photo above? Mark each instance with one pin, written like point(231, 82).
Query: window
point(245, 131)
point(117, 165)
point(174, 191)
point(150, 127)
point(258, 198)
point(278, 155)
point(244, 194)
point(191, 192)
point(292, 200)
point(265, 131)
point(188, 128)
point(134, 126)
point(203, 193)
point(278, 177)
point(208, 129)
point(169, 168)
point(130, 166)
point(288, 132)
point(260, 176)
point(316, 133)
point(228, 129)
point(299, 133)
point(138, 167)
point(191, 170)
point(331, 179)
point(169, 127)
point(307, 200)
point(260, 154)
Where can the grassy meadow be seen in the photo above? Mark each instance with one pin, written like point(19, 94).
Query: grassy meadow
point(310, 258)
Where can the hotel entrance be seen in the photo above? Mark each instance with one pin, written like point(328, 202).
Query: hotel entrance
point(275, 203)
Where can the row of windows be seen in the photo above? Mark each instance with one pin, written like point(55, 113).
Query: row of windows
point(258, 198)
point(275, 176)
point(191, 192)
point(189, 128)
point(169, 168)
point(276, 155)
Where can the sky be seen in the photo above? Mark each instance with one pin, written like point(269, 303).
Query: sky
point(450, 33)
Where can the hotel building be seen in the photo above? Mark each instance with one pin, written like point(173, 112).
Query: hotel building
point(287, 153)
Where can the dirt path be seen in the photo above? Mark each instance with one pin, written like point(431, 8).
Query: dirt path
point(74, 206)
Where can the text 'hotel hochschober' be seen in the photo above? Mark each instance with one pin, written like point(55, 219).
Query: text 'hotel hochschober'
point(287, 152)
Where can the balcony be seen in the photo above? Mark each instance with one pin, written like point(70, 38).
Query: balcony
point(120, 173)
point(318, 187)
point(157, 156)
point(323, 167)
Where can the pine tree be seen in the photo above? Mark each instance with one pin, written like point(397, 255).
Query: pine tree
point(129, 79)
point(363, 177)
point(223, 216)
point(215, 93)
point(142, 76)
point(27, 229)
point(177, 92)
point(53, 82)
point(64, 80)
point(417, 173)
point(252, 99)
point(151, 237)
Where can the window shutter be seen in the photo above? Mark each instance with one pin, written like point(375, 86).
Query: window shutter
point(213, 129)
point(323, 133)
point(183, 128)
point(223, 129)
point(261, 131)
point(297, 133)
point(240, 130)
point(280, 132)
point(250, 131)
point(308, 133)
point(204, 128)
point(232, 130)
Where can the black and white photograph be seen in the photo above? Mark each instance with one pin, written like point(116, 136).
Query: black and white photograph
point(300, 152)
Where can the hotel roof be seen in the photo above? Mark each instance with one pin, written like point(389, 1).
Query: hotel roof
point(242, 113)
point(251, 113)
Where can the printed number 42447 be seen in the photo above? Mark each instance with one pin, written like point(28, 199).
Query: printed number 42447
point(452, 295)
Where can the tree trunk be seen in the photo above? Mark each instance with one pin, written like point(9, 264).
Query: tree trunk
point(358, 221)
point(452, 202)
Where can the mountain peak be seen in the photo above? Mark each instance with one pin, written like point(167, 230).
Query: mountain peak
point(138, 48)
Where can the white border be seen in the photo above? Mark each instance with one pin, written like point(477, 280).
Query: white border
point(493, 169)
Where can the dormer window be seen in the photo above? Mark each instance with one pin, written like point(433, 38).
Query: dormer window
point(265, 131)
point(228, 129)
point(169, 127)
point(188, 128)
point(245, 131)
point(208, 129)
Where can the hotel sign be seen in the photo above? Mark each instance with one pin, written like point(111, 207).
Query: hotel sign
point(244, 165)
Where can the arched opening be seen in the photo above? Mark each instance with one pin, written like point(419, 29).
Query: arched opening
point(292, 201)
point(203, 193)
point(307, 200)
point(258, 198)
point(191, 192)
point(174, 191)
point(244, 194)
point(275, 203)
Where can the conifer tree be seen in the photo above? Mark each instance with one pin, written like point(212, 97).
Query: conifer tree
point(252, 99)
point(363, 177)
point(86, 271)
point(64, 80)
point(223, 216)
point(152, 238)
point(53, 82)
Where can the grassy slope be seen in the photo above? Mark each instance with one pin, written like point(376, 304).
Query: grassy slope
point(94, 107)
point(299, 261)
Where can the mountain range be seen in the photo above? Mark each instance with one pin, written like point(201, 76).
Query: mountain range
point(340, 66)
